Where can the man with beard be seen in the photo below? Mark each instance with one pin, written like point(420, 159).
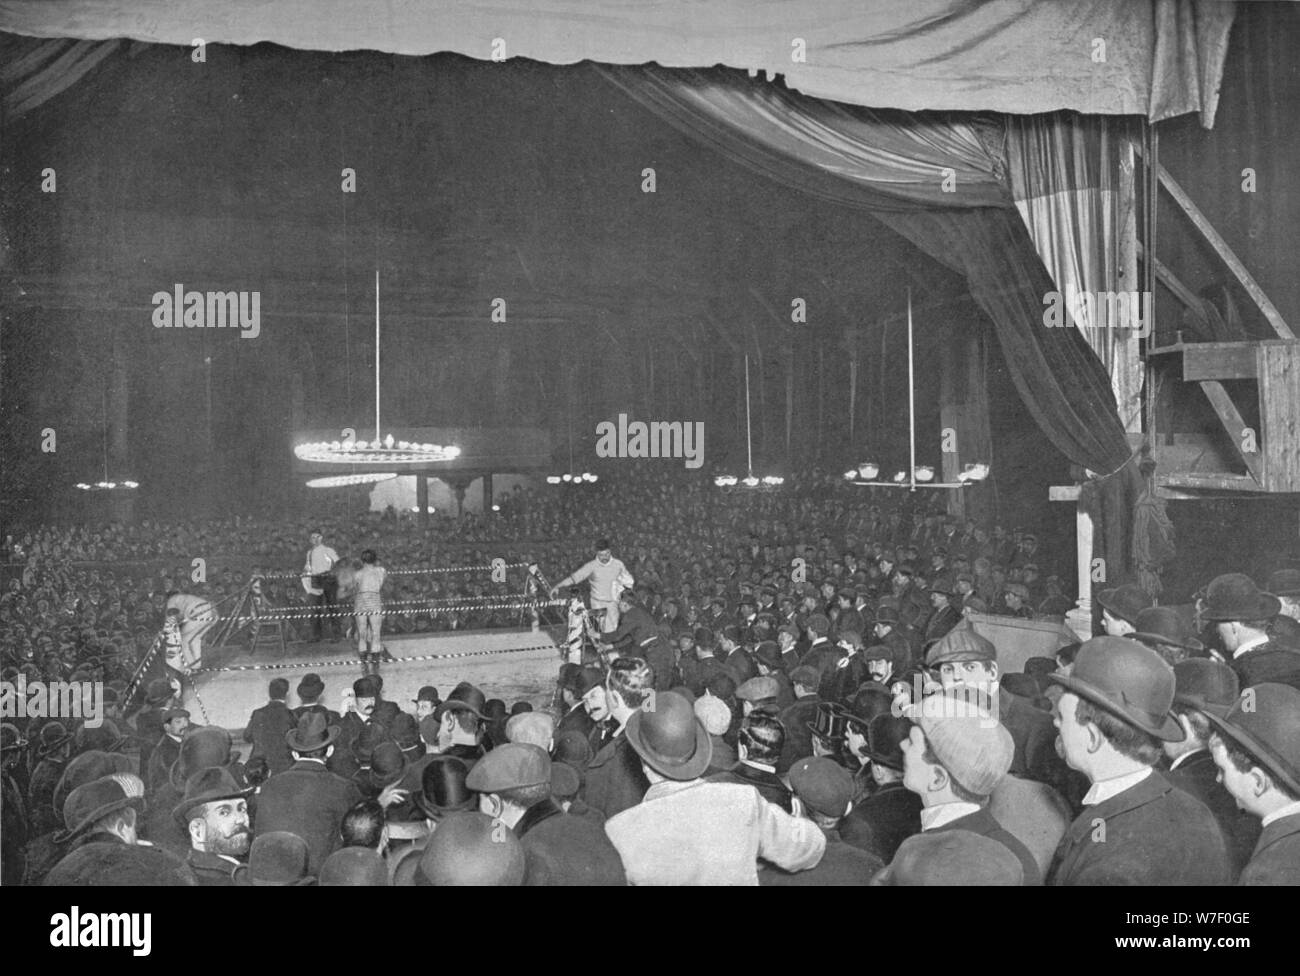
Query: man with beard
point(214, 813)
point(307, 799)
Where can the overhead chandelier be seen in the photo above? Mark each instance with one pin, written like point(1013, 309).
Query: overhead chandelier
point(344, 480)
point(729, 482)
point(384, 449)
point(922, 475)
point(104, 484)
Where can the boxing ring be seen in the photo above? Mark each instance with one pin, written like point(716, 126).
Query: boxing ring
point(512, 664)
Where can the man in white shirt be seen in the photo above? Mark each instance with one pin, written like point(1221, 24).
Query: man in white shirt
point(319, 581)
point(608, 577)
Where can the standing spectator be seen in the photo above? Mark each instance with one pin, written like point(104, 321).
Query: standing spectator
point(1243, 613)
point(1112, 718)
point(608, 578)
point(615, 780)
point(268, 726)
point(690, 832)
point(307, 799)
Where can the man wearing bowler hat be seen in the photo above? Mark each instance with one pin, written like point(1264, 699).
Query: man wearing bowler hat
point(1136, 828)
point(944, 616)
point(1256, 746)
point(690, 832)
point(1285, 585)
point(1120, 607)
point(307, 799)
point(267, 727)
point(1164, 630)
point(891, 813)
point(823, 793)
point(102, 817)
point(310, 688)
point(1243, 614)
point(459, 721)
point(214, 813)
point(1201, 687)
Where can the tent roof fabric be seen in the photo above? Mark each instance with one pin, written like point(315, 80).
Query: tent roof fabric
point(1158, 58)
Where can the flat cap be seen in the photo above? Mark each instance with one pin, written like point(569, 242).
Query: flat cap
point(823, 785)
point(961, 644)
point(510, 766)
point(759, 689)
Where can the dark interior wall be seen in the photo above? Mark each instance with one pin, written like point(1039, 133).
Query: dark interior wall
point(475, 181)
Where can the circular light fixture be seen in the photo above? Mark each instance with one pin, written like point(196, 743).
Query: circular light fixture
point(552, 479)
point(107, 485)
point(343, 480)
point(924, 473)
point(387, 451)
point(973, 472)
point(868, 470)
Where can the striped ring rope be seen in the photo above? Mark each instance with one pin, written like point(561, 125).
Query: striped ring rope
point(409, 572)
point(338, 662)
point(425, 606)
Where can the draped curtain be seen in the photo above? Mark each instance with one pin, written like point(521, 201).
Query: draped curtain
point(938, 181)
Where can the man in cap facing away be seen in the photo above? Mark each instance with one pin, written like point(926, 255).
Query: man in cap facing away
point(953, 758)
point(824, 794)
point(1136, 828)
point(1256, 746)
point(690, 832)
point(513, 782)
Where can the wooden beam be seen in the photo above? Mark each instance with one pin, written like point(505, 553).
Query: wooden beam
point(1229, 256)
point(1172, 282)
point(1222, 482)
point(1230, 417)
point(1220, 361)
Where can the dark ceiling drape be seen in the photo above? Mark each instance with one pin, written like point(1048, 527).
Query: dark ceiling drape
point(938, 181)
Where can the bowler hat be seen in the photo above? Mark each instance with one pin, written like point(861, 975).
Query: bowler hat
point(278, 859)
point(1205, 685)
point(885, 737)
point(570, 674)
point(588, 679)
point(463, 698)
point(1285, 582)
point(887, 614)
point(1234, 596)
point(472, 849)
point(1165, 626)
point(311, 733)
point(310, 687)
point(87, 804)
point(871, 699)
point(1127, 679)
point(1125, 602)
point(828, 722)
point(366, 686)
point(670, 739)
point(53, 736)
point(353, 867)
point(769, 653)
point(387, 764)
point(86, 768)
point(443, 789)
point(158, 691)
point(405, 731)
point(960, 644)
point(823, 785)
point(208, 745)
point(207, 786)
point(428, 693)
point(1265, 722)
point(942, 584)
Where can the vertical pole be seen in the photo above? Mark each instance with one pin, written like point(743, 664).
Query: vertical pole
point(911, 394)
point(377, 433)
point(749, 441)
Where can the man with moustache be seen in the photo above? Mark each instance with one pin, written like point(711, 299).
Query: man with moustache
point(214, 814)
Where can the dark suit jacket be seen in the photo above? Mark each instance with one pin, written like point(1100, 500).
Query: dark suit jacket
point(841, 865)
point(266, 730)
point(769, 785)
point(1199, 776)
point(1268, 662)
point(211, 870)
point(310, 801)
point(615, 779)
point(105, 860)
point(984, 823)
point(1034, 736)
point(164, 754)
point(840, 684)
point(823, 656)
point(941, 621)
point(883, 821)
point(1277, 855)
point(563, 849)
point(696, 673)
point(1151, 834)
point(576, 719)
point(798, 737)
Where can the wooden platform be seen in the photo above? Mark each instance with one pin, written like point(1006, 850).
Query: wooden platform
point(507, 664)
